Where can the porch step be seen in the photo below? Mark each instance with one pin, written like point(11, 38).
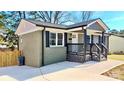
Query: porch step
point(75, 57)
point(96, 57)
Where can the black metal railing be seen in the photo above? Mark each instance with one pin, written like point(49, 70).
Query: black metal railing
point(104, 50)
point(76, 51)
point(75, 47)
point(99, 50)
point(96, 51)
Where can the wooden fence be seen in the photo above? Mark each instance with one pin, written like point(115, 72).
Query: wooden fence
point(9, 58)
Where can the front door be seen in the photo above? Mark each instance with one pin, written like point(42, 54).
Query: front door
point(74, 40)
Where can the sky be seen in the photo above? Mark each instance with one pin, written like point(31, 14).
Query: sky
point(114, 19)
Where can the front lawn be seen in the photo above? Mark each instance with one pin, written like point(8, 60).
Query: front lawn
point(116, 57)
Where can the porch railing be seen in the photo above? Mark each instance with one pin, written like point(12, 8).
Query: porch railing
point(75, 52)
point(75, 47)
point(95, 51)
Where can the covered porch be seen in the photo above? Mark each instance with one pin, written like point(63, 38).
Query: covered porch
point(88, 43)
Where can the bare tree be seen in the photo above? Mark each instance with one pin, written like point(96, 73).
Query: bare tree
point(22, 14)
point(56, 17)
point(81, 16)
point(86, 15)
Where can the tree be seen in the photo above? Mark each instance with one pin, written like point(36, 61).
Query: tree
point(1, 22)
point(121, 32)
point(114, 31)
point(86, 15)
point(12, 18)
point(56, 17)
point(82, 16)
point(11, 39)
point(1, 27)
point(22, 14)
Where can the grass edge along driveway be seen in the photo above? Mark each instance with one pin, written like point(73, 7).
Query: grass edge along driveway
point(116, 57)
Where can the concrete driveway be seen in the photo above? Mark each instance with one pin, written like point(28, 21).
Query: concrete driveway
point(27, 73)
point(59, 71)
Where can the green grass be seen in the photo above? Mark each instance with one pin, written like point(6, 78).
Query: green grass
point(116, 57)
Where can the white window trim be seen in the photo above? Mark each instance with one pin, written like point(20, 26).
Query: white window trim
point(57, 40)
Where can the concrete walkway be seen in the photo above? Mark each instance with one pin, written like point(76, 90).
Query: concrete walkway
point(102, 67)
point(60, 71)
point(84, 72)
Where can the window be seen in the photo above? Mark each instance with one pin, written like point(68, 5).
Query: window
point(56, 39)
point(60, 39)
point(52, 38)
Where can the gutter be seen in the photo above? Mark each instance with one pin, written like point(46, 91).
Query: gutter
point(67, 28)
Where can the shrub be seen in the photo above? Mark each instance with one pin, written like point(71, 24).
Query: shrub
point(119, 52)
point(109, 53)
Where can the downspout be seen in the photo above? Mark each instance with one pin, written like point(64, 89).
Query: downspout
point(43, 46)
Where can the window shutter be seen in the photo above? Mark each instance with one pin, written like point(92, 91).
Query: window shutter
point(65, 39)
point(47, 39)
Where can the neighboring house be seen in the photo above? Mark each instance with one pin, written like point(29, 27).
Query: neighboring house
point(116, 43)
point(44, 43)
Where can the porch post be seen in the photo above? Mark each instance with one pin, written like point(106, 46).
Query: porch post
point(102, 39)
point(92, 41)
point(85, 43)
point(99, 39)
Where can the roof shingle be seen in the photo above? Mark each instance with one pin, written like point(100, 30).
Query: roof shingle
point(40, 23)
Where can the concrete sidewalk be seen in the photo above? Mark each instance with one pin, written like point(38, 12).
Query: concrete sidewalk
point(104, 66)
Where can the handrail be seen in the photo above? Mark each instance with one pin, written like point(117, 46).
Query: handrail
point(104, 46)
point(75, 43)
point(78, 43)
point(97, 46)
point(99, 50)
point(106, 50)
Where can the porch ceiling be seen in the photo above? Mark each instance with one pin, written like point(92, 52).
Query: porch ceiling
point(93, 28)
point(89, 31)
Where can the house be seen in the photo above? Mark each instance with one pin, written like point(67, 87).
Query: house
point(116, 43)
point(45, 43)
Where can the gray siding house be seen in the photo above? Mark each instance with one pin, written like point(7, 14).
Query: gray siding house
point(45, 43)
